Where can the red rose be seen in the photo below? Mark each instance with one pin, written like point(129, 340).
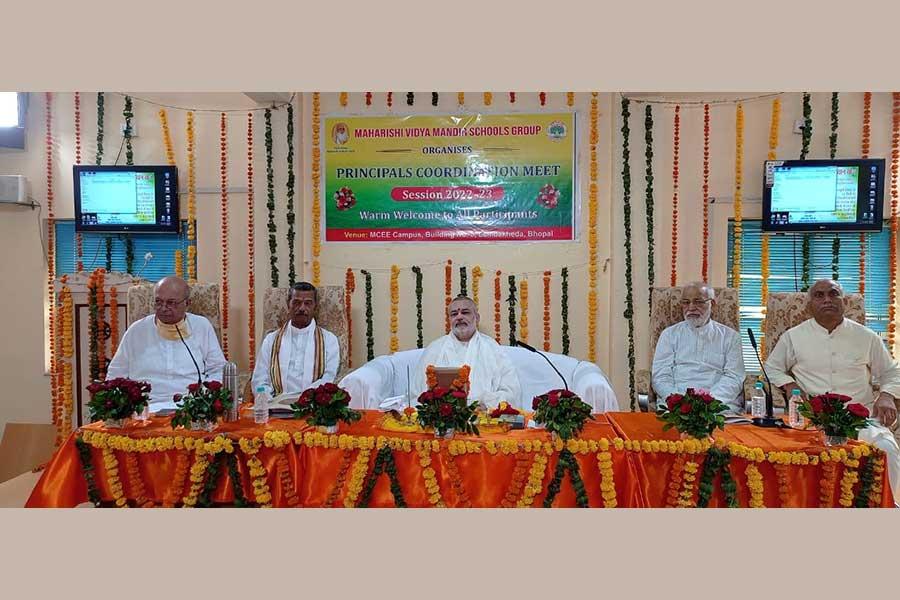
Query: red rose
point(535, 403)
point(816, 404)
point(426, 397)
point(674, 400)
point(440, 392)
point(685, 408)
point(94, 388)
point(446, 410)
point(330, 388)
point(858, 410)
point(566, 394)
point(459, 395)
point(193, 388)
point(217, 406)
point(553, 400)
point(177, 397)
point(109, 404)
point(322, 398)
point(214, 386)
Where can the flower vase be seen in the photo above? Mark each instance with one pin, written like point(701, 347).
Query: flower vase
point(447, 435)
point(203, 425)
point(327, 429)
point(835, 440)
point(113, 423)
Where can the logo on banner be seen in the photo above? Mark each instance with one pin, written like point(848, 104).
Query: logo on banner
point(340, 133)
point(557, 130)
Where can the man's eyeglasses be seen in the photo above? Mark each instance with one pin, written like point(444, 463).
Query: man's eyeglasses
point(170, 304)
point(695, 302)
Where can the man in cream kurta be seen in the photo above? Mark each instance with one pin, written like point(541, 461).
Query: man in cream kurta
point(829, 353)
point(492, 378)
point(299, 355)
point(700, 353)
point(163, 348)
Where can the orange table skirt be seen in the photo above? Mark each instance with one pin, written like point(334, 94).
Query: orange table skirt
point(624, 460)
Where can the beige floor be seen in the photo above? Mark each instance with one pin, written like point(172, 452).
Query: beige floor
point(14, 492)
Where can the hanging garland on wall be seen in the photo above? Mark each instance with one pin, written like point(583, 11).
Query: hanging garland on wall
point(100, 103)
point(316, 203)
point(570, 99)
point(648, 192)
point(343, 99)
point(832, 144)
point(460, 98)
point(512, 97)
point(676, 134)
point(51, 259)
point(564, 309)
point(477, 273)
point(764, 242)
point(79, 249)
point(804, 150)
point(543, 98)
point(108, 242)
point(270, 203)
point(704, 271)
point(866, 136)
point(512, 310)
point(410, 98)
point(895, 165)
point(251, 248)
point(592, 235)
point(129, 255)
point(420, 340)
point(170, 159)
point(523, 309)
point(434, 98)
point(113, 320)
point(291, 217)
point(738, 195)
point(546, 279)
point(127, 113)
point(395, 301)
point(93, 328)
point(349, 288)
point(626, 209)
point(448, 291)
point(390, 99)
point(488, 98)
point(192, 203)
point(497, 297)
point(178, 259)
point(67, 311)
point(463, 281)
point(223, 168)
point(101, 317)
point(370, 335)
point(368, 98)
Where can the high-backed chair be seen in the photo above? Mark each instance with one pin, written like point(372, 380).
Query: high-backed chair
point(666, 311)
point(204, 302)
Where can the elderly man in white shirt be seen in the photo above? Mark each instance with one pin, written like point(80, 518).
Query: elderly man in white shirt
point(492, 378)
point(700, 353)
point(300, 354)
point(829, 353)
point(170, 349)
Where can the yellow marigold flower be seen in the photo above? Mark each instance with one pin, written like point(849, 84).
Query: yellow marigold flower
point(536, 445)
point(604, 444)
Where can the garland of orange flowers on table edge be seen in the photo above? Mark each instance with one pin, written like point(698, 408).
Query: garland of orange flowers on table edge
point(738, 196)
point(674, 486)
point(524, 462)
point(316, 203)
point(866, 137)
point(339, 481)
point(287, 482)
point(428, 475)
point(686, 496)
point(755, 485)
point(607, 483)
point(592, 234)
point(138, 490)
point(250, 447)
point(251, 248)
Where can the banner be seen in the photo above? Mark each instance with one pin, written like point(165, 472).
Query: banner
point(426, 178)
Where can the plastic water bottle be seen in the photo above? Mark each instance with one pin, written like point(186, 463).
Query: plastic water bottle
point(794, 418)
point(758, 401)
point(261, 405)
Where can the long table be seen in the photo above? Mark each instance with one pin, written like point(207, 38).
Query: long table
point(623, 459)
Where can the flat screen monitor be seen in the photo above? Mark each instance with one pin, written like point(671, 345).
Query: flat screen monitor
point(139, 199)
point(823, 195)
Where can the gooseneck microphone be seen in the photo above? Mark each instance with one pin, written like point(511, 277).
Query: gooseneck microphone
point(769, 419)
point(549, 362)
point(191, 354)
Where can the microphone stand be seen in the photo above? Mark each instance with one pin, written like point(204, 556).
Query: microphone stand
point(522, 344)
point(769, 419)
point(191, 354)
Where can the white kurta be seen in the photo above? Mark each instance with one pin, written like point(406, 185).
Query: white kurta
point(492, 378)
point(143, 355)
point(707, 357)
point(296, 359)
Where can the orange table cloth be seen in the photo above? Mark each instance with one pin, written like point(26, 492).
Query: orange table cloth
point(493, 470)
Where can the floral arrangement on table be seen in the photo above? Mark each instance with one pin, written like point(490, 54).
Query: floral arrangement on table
point(493, 418)
point(446, 409)
point(201, 407)
point(325, 406)
point(835, 415)
point(117, 399)
point(561, 412)
point(695, 413)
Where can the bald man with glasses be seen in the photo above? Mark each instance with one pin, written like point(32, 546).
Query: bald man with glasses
point(700, 353)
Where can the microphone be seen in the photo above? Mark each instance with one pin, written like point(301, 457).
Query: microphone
point(769, 420)
point(549, 362)
point(191, 354)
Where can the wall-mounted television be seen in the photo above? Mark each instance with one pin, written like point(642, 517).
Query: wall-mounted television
point(823, 195)
point(137, 199)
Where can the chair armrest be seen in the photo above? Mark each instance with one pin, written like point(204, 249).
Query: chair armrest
point(591, 386)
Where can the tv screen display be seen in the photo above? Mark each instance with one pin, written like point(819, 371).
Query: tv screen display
point(823, 195)
point(126, 199)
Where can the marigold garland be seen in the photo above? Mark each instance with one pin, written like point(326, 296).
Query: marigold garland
point(291, 217)
point(738, 196)
point(237, 486)
point(543, 98)
point(87, 469)
point(410, 98)
point(357, 478)
point(764, 243)
point(138, 490)
point(128, 114)
point(270, 203)
point(877, 490)
point(892, 262)
point(784, 490)
point(674, 486)
point(102, 362)
point(592, 234)
point(420, 340)
point(673, 276)
point(477, 274)
point(564, 309)
point(173, 493)
point(626, 209)
point(167, 138)
point(535, 482)
point(390, 99)
point(428, 475)
point(524, 462)
point(113, 320)
point(755, 485)
point(100, 103)
point(79, 266)
point(343, 99)
point(384, 463)
point(51, 260)
point(463, 281)
point(395, 301)
point(566, 462)
point(370, 336)
point(448, 282)
point(686, 496)
point(460, 98)
point(111, 464)
point(523, 310)
point(368, 98)
point(512, 97)
point(512, 310)
point(704, 271)
point(192, 203)
point(849, 479)
point(316, 202)
point(251, 248)
point(349, 288)
point(434, 98)
point(570, 99)
point(497, 298)
point(546, 280)
point(258, 473)
point(607, 484)
point(197, 477)
point(346, 462)
point(462, 496)
point(93, 331)
point(67, 352)
point(284, 476)
point(178, 259)
point(223, 213)
point(488, 98)
point(866, 136)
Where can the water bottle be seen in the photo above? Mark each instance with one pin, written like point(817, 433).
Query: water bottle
point(794, 418)
point(758, 401)
point(261, 405)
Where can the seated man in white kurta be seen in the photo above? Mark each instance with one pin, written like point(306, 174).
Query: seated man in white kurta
point(300, 354)
point(700, 353)
point(829, 353)
point(492, 378)
point(169, 347)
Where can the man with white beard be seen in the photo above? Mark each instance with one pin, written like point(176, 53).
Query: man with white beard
point(700, 353)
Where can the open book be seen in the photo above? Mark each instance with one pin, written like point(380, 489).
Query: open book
point(280, 405)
